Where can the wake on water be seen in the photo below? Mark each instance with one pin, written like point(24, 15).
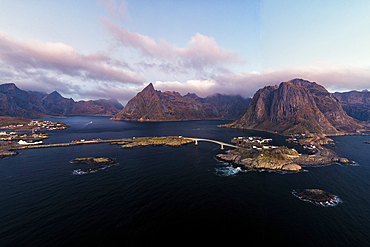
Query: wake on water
point(87, 124)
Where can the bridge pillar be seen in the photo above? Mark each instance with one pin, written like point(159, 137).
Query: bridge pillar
point(222, 146)
point(196, 142)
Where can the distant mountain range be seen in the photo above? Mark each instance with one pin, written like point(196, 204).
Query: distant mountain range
point(296, 106)
point(15, 102)
point(292, 107)
point(154, 105)
point(356, 104)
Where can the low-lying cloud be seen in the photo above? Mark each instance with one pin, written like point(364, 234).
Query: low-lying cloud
point(334, 77)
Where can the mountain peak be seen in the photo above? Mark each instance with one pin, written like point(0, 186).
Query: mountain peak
point(8, 87)
point(296, 106)
point(154, 105)
point(150, 87)
point(55, 93)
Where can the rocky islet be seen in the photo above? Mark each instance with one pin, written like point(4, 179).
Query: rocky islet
point(317, 196)
point(98, 163)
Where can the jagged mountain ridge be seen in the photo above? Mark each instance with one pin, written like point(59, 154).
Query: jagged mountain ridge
point(18, 103)
point(15, 102)
point(296, 106)
point(356, 104)
point(154, 105)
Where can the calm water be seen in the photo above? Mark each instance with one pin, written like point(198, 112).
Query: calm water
point(175, 195)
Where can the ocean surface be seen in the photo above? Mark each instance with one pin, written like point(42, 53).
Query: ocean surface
point(173, 196)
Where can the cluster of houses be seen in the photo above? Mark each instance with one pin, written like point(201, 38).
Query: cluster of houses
point(40, 124)
point(310, 148)
point(44, 124)
point(294, 138)
point(254, 142)
point(12, 126)
point(4, 136)
point(22, 138)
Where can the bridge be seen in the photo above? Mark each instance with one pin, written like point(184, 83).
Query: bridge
point(209, 140)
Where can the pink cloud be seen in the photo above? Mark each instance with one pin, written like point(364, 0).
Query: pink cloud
point(202, 51)
point(116, 9)
point(59, 57)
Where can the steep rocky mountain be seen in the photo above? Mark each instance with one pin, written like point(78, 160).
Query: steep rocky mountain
point(57, 105)
point(99, 107)
point(356, 104)
point(296, 106)
point(222, 106)
point(18, 103)
point(15, 102)
point(154, 105)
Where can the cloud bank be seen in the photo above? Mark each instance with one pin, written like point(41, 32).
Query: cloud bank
point(48, 66)
point(335, 77)
point(202, 51)
point(62, 58)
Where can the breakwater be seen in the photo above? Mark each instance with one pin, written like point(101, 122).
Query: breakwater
point(66, 144)
point(126, 142)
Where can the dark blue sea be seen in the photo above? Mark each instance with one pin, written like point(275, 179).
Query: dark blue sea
point(174, 196)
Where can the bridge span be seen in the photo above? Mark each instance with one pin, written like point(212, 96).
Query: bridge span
point(209, 140)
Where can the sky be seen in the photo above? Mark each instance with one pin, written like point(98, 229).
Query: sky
point(92, 49)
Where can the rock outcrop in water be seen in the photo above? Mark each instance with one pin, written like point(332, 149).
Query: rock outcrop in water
point(97, 163)
point(296, 106)
point(317, 196)
point(154, 105)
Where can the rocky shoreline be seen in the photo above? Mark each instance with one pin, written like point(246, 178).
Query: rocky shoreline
point(281, 158)
point(6, 153)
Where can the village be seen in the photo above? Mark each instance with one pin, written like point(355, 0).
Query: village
point(22, 138)
point(13, 137)
point(295, 139)
point(253, 142)
point(37, 124)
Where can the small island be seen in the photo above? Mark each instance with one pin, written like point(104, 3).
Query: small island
point(317, 196)
point(98, 163)
point(171, 141)
point(278, 159)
